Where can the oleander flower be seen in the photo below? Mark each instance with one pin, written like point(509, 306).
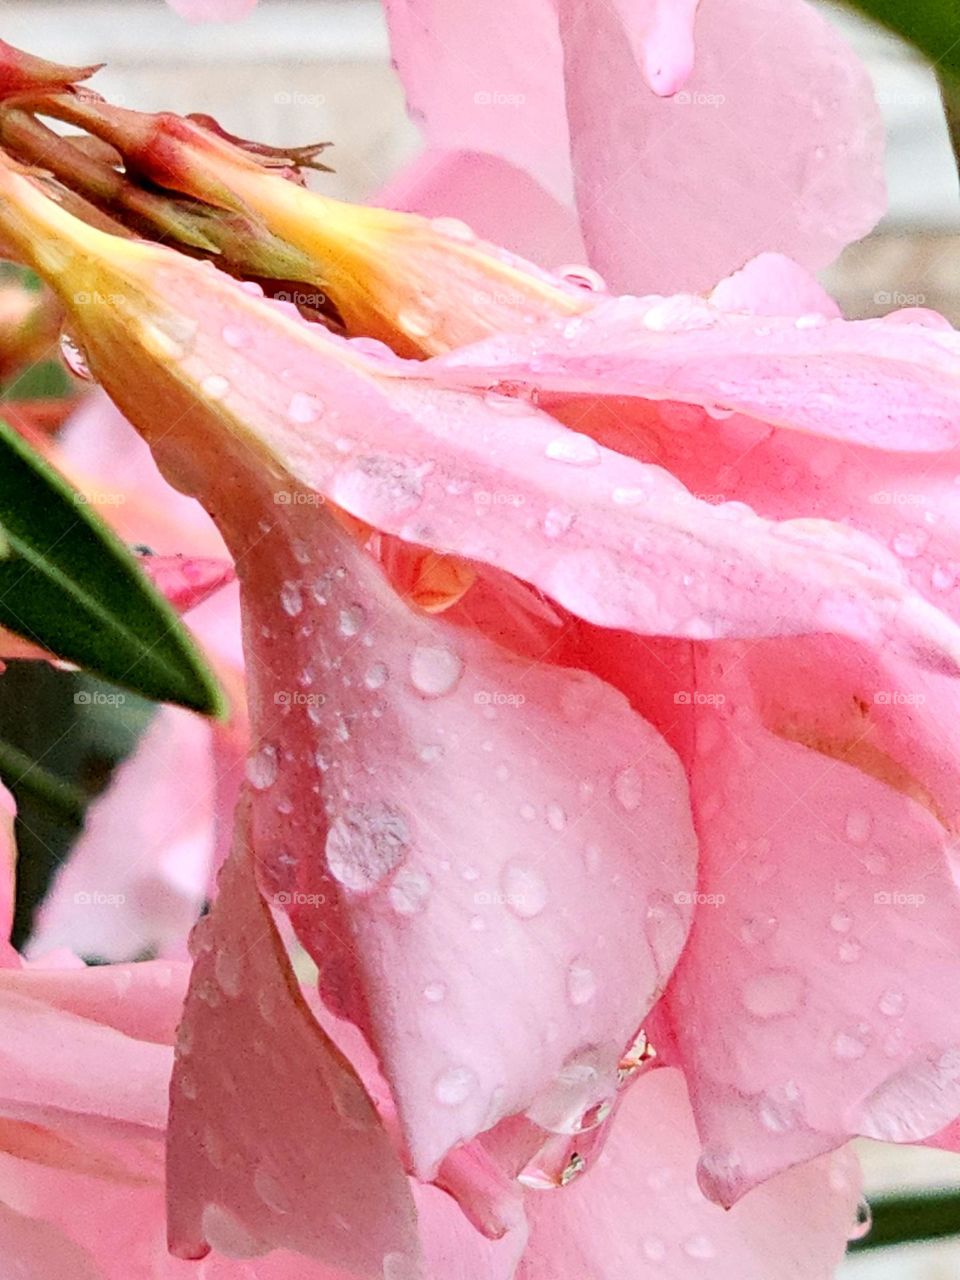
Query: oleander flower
point(670, 746)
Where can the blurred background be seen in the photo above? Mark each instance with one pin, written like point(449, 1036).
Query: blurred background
point(301, 71)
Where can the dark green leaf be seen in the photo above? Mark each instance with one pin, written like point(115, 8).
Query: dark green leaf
point(923, 1215)
point(68, 584)
point(932, 26)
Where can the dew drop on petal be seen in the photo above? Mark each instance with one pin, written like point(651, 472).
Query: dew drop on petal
point(772, 994)
point(581, 983)
point(847, 1047)
point(214, 386)
point(454, 1086)
point(574, 448)
point(304, 409)
point(409, 892)
point(262, 767)
point(892, 1003)
point(271, 1191)
point(862, 1222)
point(699, 1247)
point(434, 992)
point(376, 676)
point(365, 844)
point(524, 889)
point(291, 599)
point(628, 787)
point(74, 358)
point(858, 826)
point(350, 620)
point(435, 670)
point(228, 970)
point(583, 277)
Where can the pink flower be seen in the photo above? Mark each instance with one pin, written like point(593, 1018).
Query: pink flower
point(503, 790)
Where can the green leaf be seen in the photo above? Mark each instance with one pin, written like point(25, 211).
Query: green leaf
point(922, 1215)
point(68, 584)
point(932, 26)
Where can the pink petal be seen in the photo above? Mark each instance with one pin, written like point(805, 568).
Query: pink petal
point(186, 581)
point(469, 846)
point(640, 1209)
point(502, 203)
point(772, 285)
point(589, 527)
point(273, 1140)
point(813, 999)
point(138, 874)
point(31, 1247)
point(892, 386)
point(775, 142)
point(474, 87)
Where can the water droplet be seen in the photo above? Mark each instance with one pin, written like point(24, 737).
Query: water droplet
point(376, 676)
point(365, 844)
point(454, 1086)
point(848, 1048)
point(699, 1247)
point(454, 228)
point(581, 983)
point(841, 922)
point(574, 448)
point(862, 1222)
point(272, 1191)
point(435, 670)
point(435, 992)
point(910, 543)
point(262, 767)
point(524, 889)
point(654, 1249)
point(849, 951)
point(228, 970)
point(228, 1235)
point(74, 358)
point(415, 323)
point(350, 620)
point(582, 276)
point(628, 787)
point(557, 522)
point(892, 1003)
point(858, 826)
point(943, 578)
point(232, 336)
point(514, 405)
point(304, 409)
point(409, 892)
point(773, 994)
point(188, 1086)
point(291, 599)
point(756, 929)
point(214, 386)
point(556, 817)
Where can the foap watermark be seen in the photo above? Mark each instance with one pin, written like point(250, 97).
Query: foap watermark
point(498, 698)
point(898, 698)
point(287, 98)
point(497, 498)
point(696, 98)
point(104, 498)
point(896, 498)
point(98, 698)
point(498, 98)
point(298, 498)
point(698, 698)
point(295, 899)
point(93, 298)
point(297, 698)
point(96, 898)
point(898, 298)
point(686, 899)
point(895, 898)
point(302, 298)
